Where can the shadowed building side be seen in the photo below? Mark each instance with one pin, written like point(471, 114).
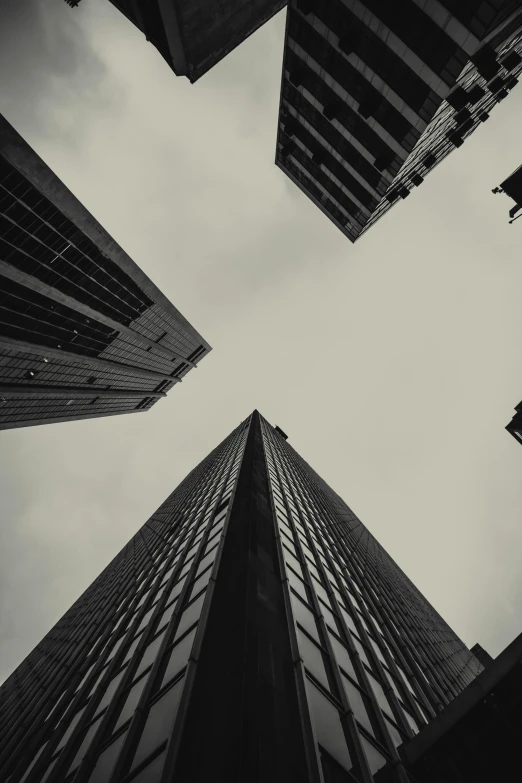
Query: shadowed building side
point(376, 94)
point(194, 35)
point(83, 331)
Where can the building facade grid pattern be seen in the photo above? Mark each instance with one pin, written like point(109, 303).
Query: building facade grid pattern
point(79, 322)
point(103, 697)
point(131, 666)
point(367, 98)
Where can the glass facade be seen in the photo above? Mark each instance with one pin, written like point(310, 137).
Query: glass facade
point(83, 332)
point(102, 690)
point(252, 610)
point(375, 94)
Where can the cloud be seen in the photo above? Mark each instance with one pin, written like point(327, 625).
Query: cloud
point(46, 57)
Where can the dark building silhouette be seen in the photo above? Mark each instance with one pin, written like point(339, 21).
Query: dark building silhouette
point(476, 737)
point(482, 655)
point(83, 331)
point(515, 425)
point(252, 630)
point(194, 35)
point(376, 93)
point(512, 187)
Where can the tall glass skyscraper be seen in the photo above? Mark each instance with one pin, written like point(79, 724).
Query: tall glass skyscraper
point(252, 630)
point(84, 332)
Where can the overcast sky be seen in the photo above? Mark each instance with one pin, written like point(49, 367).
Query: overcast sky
point(393, 364)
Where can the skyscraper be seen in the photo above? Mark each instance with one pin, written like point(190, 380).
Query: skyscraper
point(375, 94)
point(252, 630)
point(194, 35)
point(83, 331)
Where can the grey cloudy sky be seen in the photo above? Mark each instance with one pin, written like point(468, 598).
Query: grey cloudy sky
point(393, 364)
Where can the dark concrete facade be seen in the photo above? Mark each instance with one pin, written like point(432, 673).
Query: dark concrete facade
point(477, 737)
point(84, 332)
point(194, 35)
point(252, 630)
point(376, 94)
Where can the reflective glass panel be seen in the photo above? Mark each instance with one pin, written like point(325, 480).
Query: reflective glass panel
point(106, 761)
point(159, 722)
point(357, 704)
point(313, 658)
point(342, 656)
point(375, 759)
point(149, 654)
point(87, 739)
point(109, 692)
point(327, 725)
point(190, 615)
point(304, 616)
point(152, 772)
point(131, 702)
point(179, 656)
point(380, 695)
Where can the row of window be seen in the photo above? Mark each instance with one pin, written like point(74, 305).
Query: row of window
point(321, 608)
point(154, 630)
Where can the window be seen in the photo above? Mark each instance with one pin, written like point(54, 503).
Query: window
point(166, 615)
point(348, 619)
point(380, 695)
point(106, 761)
point(152, 772)
point(327, 725)
point(207, 560)
point(70, 729)
point(145, 619)
point(131, 702)
point(304, 617)
point(412, 722)
point(320, 591)
point(342, 656)
point(33, 762)
point(87, 739)
point(190, 615)
point(130, 651)
point(178, 657)
point(150, 654)
point(109, 692)
point(313, 658)
point(328, 616)
point(292, 561)
point(297, 584)
point(361, 650)
point(159, 722)
point(200, 582)
point(357, 703)
point(375, 759)
point(394, 732)
point(175, 591)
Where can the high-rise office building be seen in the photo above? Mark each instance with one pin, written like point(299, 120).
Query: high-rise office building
point(194, 35)
point(375, 94)
point(515, 425)
point(252, 630)
point(83, 331)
